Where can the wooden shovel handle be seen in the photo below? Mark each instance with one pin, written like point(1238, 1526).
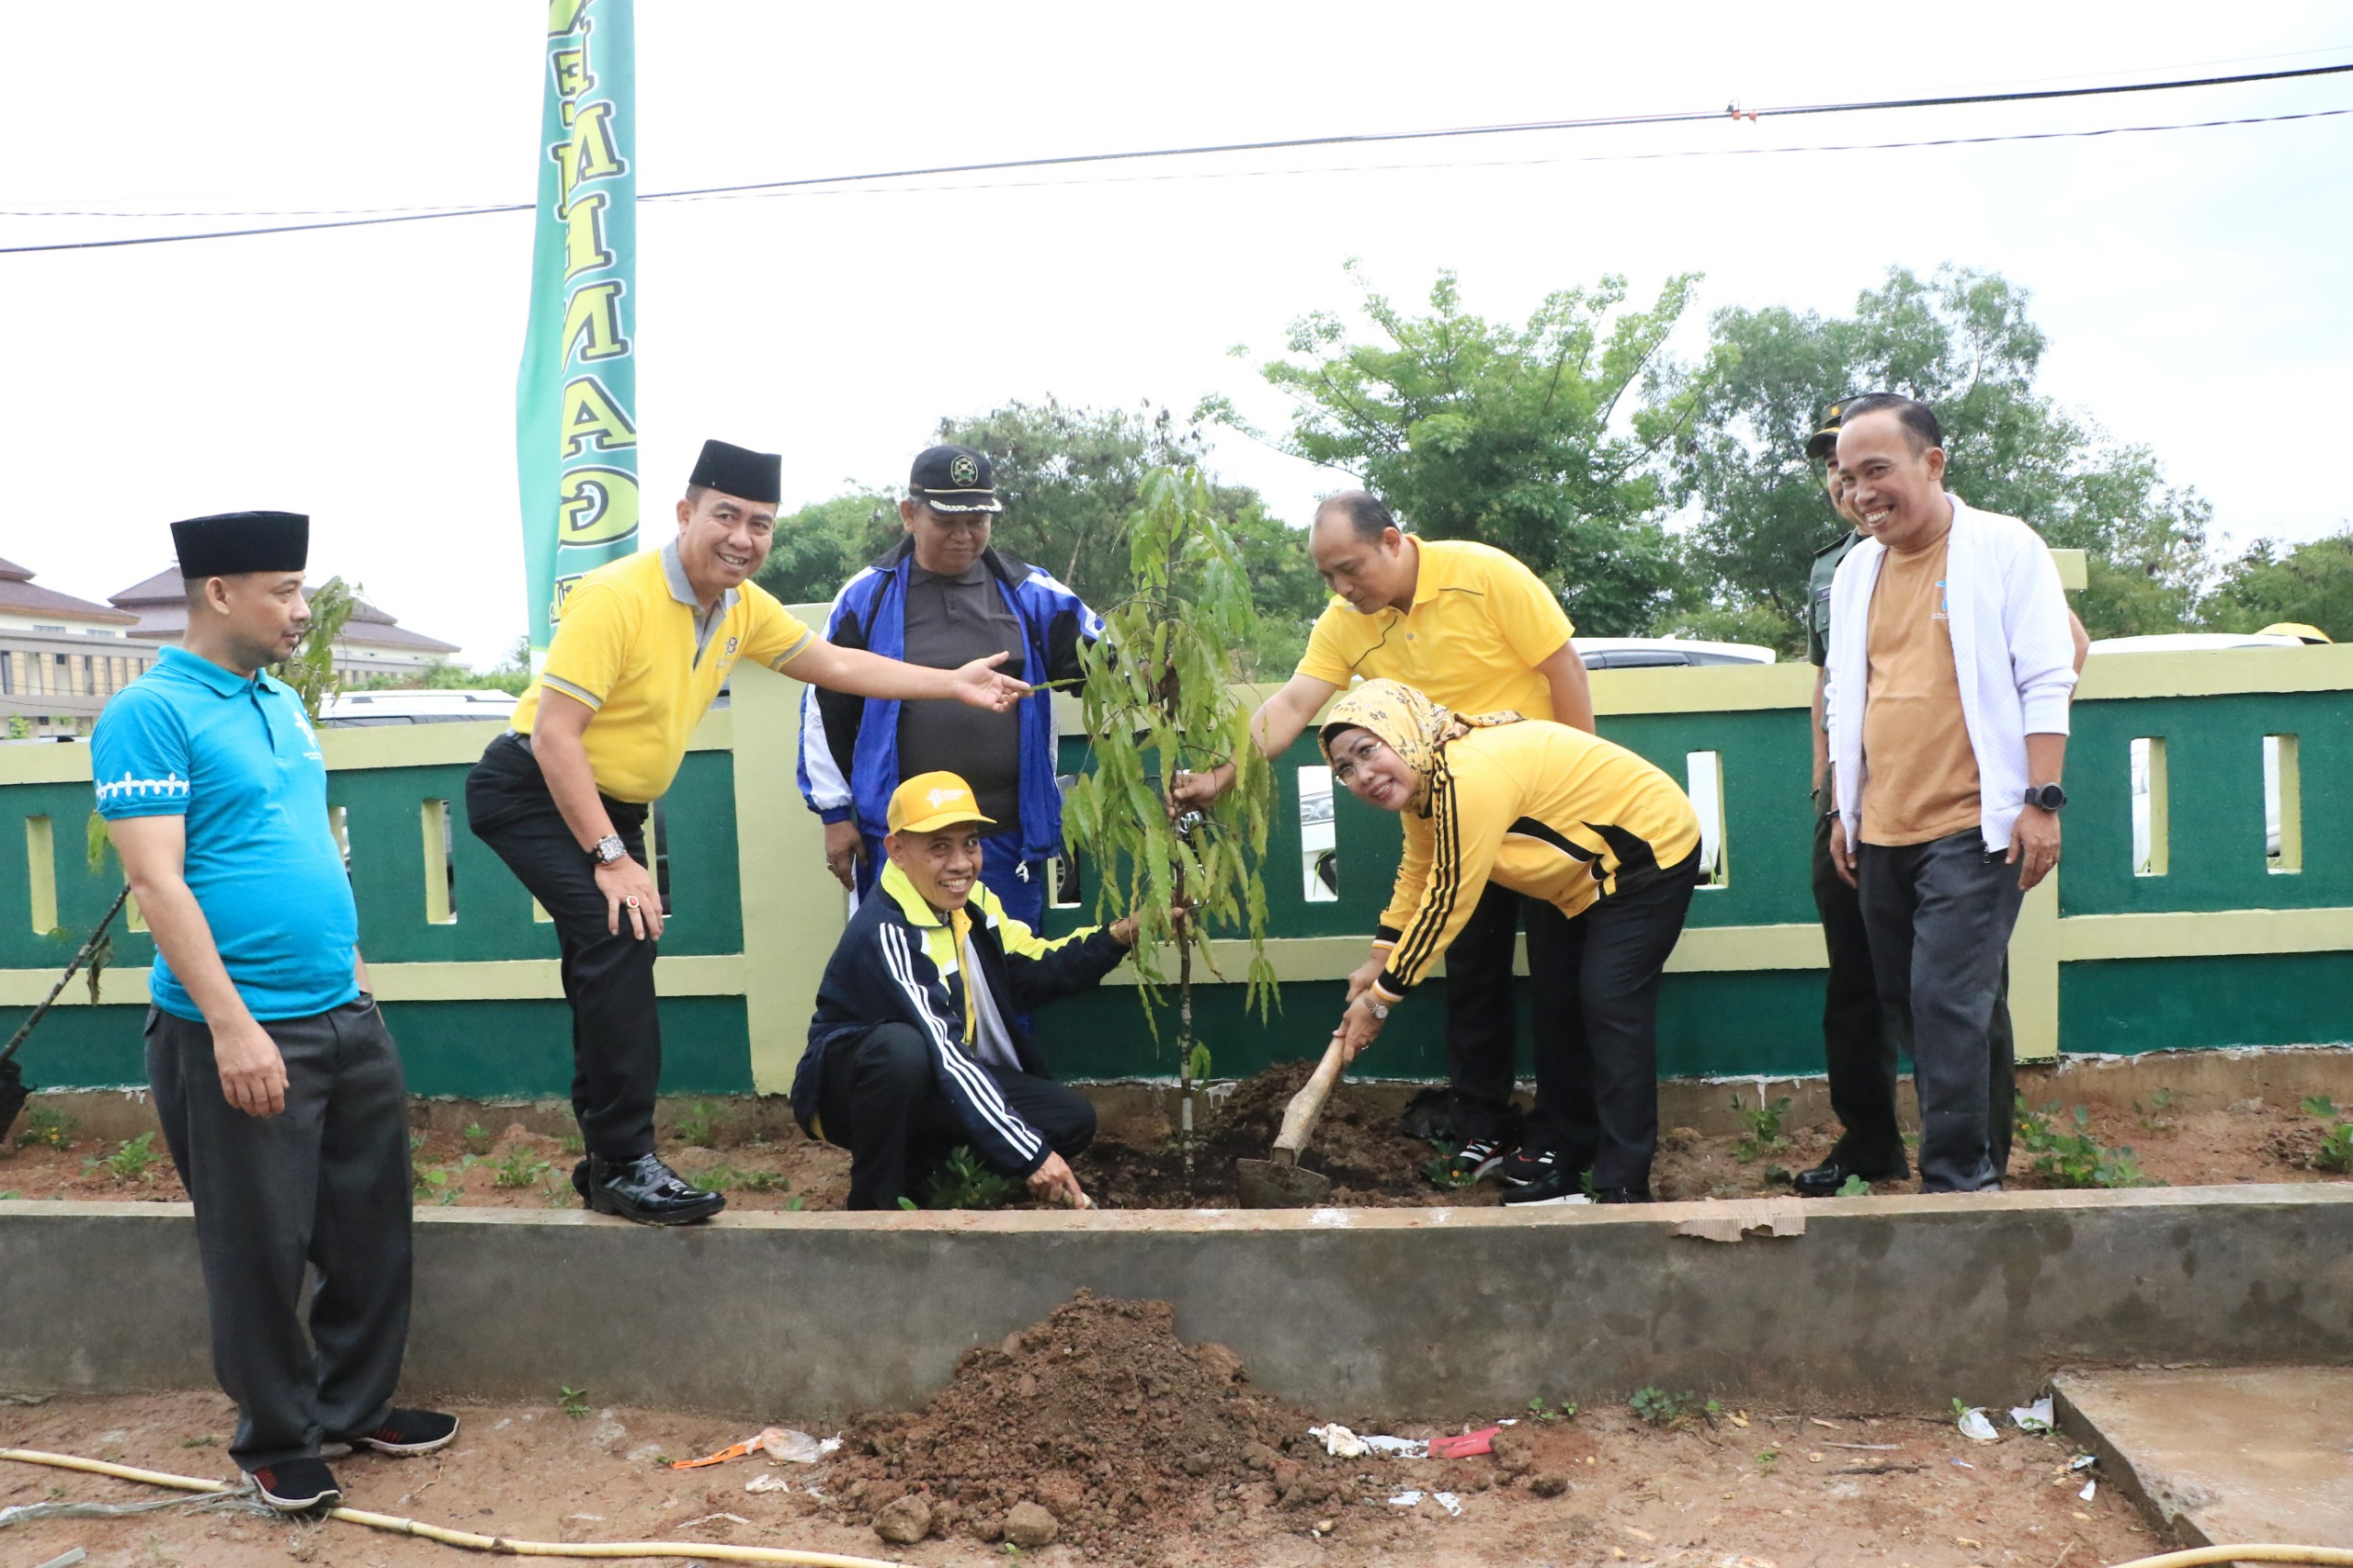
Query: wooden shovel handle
point(1300, 1115)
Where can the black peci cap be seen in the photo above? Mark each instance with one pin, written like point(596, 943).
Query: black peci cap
point(740, 472)
point(955, 478)
point(231, 542)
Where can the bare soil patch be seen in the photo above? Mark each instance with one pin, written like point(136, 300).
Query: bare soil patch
point(1137, 1162)
point(1131, 1446)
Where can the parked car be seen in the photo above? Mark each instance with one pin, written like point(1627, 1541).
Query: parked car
point(1639, 653)
point(2194, 642)
point(355, 708)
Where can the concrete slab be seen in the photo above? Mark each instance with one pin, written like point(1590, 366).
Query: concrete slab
point(1887, 1302)
point(2224, 1455)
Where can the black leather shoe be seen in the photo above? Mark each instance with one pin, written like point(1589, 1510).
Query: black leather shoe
point(580, 1179)
point(1826, 1178)
point(1623, 1194)
point(646, 1190)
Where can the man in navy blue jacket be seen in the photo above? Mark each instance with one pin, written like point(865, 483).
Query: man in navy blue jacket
point(944, 588)
point(918, 1042)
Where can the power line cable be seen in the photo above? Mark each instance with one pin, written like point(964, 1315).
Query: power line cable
point(1534, 162)
point(1683, 117)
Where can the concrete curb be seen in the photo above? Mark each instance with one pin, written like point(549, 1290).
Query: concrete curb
point(1881, 1303)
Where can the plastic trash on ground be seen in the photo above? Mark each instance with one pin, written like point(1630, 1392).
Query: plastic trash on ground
point(792, 1447)
point(1341, 1443)
point(2090, 1487)
point(768, 1484)
point(1447, 1501)
point(1483, 1441)
point(2034, 1419)
point(1976, 1428)
point(1405, 1499)
point(779, 1443)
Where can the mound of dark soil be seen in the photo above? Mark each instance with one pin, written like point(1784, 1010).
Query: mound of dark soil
point(1103, 1417)
point(1357, 1143)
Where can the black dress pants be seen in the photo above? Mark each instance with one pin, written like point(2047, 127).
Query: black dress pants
point(1860, 1044)
point(1482, 1024)
point(324, 1184)
point(1940, 915)
point(607, 977)
point(878, 1098)
point(1596, 1028)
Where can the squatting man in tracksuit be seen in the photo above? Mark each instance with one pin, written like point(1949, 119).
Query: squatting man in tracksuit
point(918, 1044)
point(279, 1088)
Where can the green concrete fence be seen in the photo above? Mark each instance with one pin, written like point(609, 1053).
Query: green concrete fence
point(2225, 918)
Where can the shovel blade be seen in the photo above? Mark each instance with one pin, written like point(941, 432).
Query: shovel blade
point(1267, 1184)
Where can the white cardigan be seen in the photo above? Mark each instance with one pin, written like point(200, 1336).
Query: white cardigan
point(2010, 647)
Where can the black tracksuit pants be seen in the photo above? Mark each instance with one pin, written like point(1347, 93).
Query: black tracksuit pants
point(324, 1184)
point(878, 1100)
point(1860, 1043)
point(607, 977)
point(1596, 1028)
point(1482, 1024)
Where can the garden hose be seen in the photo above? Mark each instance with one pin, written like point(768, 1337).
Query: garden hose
point(504, 1545)
point(2330, 1557)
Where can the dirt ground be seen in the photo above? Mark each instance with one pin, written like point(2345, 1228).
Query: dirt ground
point(1099, 1426)
point(1136, 1162)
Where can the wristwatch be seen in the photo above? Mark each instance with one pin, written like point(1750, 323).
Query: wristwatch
point(2049, 797)
point(1377, 1008)
point(609, 849)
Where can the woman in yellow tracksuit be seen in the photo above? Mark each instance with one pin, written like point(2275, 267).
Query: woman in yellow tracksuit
point(1554, 813)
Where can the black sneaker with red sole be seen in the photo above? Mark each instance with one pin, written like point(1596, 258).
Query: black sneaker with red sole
point(405, 1432)
point(296, 1486)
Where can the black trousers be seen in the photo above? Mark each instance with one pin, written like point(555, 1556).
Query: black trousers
point(1859, 1049)
point(878, 1099)
point(1482, 1026)
point(324, 1184)
point(607, 977)
point(1596, 1028)
point(1940, 915)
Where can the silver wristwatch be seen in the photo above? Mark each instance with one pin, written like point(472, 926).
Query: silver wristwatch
point(1376, 1006)
point(609, 849)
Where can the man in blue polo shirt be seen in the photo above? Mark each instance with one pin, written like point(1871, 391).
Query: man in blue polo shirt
point(280, 1091)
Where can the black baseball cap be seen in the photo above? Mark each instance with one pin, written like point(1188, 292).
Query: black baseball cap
point(1824, 441)
point(955, 478)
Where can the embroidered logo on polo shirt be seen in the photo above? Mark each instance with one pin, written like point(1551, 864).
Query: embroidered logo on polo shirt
point(171, 787)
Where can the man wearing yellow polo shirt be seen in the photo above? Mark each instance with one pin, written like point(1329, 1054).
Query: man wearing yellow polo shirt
point(1475, 631)
point(644, 646)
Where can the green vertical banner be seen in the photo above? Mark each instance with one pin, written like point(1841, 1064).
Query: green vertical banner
point(575, 395)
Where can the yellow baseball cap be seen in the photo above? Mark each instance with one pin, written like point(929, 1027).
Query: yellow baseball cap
point(929, 802)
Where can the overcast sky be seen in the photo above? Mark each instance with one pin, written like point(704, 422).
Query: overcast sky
point(2194, 283)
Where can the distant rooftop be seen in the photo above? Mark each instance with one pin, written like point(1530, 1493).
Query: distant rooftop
point(159, 605)
point(20, 596)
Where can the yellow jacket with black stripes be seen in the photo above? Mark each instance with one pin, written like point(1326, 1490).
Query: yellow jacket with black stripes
point(1545, 810)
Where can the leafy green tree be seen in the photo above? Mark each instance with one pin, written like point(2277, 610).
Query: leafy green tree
point(1479, 429)
point(2311, 585)
point(1158, 698)
point(1733, 428)
point(822, 545)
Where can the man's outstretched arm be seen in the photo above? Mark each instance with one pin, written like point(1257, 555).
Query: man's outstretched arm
point(1279, 722)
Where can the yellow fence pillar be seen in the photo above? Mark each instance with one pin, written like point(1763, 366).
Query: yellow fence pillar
point(793, 911)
